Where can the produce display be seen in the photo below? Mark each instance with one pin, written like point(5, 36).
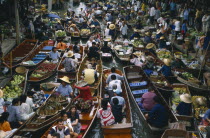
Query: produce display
point(187, 76)
point(181, 90)
point(60, 33)
point(52, 106)
point(85, 31)
point(13, 89)
point(163, 54)
point(199, 109)
point(176, 95)
point(138, 43)
point(43, 69)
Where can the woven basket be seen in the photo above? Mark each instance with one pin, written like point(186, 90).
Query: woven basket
point(20, 70)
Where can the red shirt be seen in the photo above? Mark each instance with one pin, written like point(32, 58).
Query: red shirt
point(84, 93)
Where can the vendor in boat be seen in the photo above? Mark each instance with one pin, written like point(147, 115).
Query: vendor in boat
point(62, 130)
point(166, 68)
point(113, 72)
point(4, 124)
point(105, 114)
point(151, 48)
point(106, 48)
point(147, 101)
point(147, 38)
point(158, 35)
point(90, 75)
point(149, 65)
point(65, 89)
point(93, 29)
point(73, 115)
point(69, 63)
point(94, 52)
point(135, 34)
point(95, 22)
point(61, 45)
point(84, 99)
point(112, 31)
point(117, 110)
point(137, 60)
point(138, 25)
point(185, 107)
point(59, 26)
point(76, 47)
point(84, 25)
point(67, 123)
point(162, 43)
point(54, 55)
point(178, 63)
point(158, 116)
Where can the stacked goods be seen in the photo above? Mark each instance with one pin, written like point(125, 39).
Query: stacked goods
point(60, 33)
point(186, 75)
point(161, 53)
point(43, 69)
point(85, 31)
point(13, 89)
point(200, 105)
point(138, 43)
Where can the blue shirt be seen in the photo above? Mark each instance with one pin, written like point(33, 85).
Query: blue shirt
point(166, 70)
point(158, 117)
point(134, 35)
point(95, 23)
point(162, 44)
point(173, 6)
point(64, 90)
point(14, 113)
point(120, 99)
point(54, 55)
point(184, 27)
point(184, 109)
point(207, 114)
point(147, 39)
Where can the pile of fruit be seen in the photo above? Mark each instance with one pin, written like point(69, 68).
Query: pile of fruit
point(180, 90)
point(199, 109)
point(138, 43)
point(163, 54)
point(13, 90)
point(60, 33)
point(44, 69)
point(187, 75)
point(85, 31)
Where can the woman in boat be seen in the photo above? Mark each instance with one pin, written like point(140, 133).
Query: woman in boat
point(185, 107)
point(25, 111)
point(113, 72)
point(105, 114)
point(14, 113)
point(69, 63)
point(151, 48)
point(84, 99)
point(74, 117)
point(61, 45)
point(60, 129)
point(147, 101)
point(136, 60)
point(117, 110)
point(178, 63)
point(67, 123)
point(4, 124)
point(54, 55)
point(166, 68)
point(149, 65)
point(65, 89)
point(147, 38)
point(158, 116)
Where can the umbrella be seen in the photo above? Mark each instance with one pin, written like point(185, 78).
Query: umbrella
point(53, 16)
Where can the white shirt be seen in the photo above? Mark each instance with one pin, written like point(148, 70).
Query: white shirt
point(24, 111)
point(89, 43)
point(124, 30)
point(177, 26)
point(29, 101)
point(77, 55)
point(136, 62)
point(152, 11)
point(106, 32)
point(117, 82)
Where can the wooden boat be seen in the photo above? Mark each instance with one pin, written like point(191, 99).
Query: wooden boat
point(138, 45)
point(39, 55)
point(83, 66)
point(133, 76)
point(71, 75)
point(14, 90)
point(176, 133)
point(44, 71)
point(122, 129)
point(106, 57)
point(119, 52)
point(73, 34)
point(18, 54)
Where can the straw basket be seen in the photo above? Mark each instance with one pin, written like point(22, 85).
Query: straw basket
point(20, 70)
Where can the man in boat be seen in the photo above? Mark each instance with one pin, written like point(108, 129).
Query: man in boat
point(65, 89)
point(147, 38)
point(116, 82)
point(178, 63)
point(162, 43)
point(95, 22)
point(69, 63)
point(54, 55)
point(94, 52)
point(90, 75)
point(113, 72)
point(166, 68)
point(76, 47)
point(147, 102)
point(61, 129)
point(185, 107)
point(135, 34)
point(61, 45)
point(158, 116)
point(120, 99)
point(106, 48)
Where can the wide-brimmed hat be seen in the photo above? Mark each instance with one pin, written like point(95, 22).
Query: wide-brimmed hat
point(186, 98)
point(162, 37)
point(111, 26)
point(20, 70)
point(73, 25)
point(147, 33)
point(81, 83)
point(92, 26)
point(1, 93)
point(107, 39)
point(65, 79)
point(70, 54)
point(201, 101)
point(150, 45)
point(167, 61)
point(158, 31)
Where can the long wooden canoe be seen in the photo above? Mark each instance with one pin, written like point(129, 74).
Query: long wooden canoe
point(133, 76)
point(73, 34)
point(83, 66)
point(39, 55)
point(122, 129)
point(19, 53)
point(122, 56)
